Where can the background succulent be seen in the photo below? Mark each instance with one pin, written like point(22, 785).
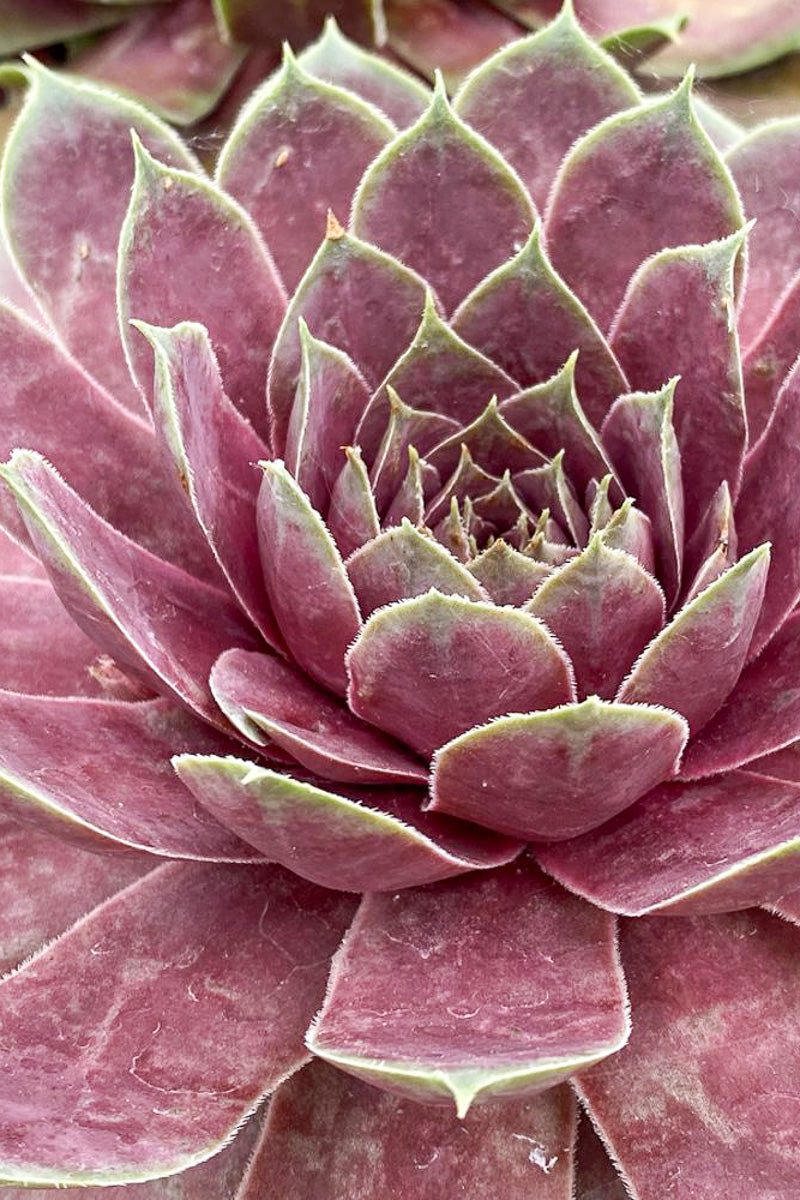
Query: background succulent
point(181, 57)
point(488, 612)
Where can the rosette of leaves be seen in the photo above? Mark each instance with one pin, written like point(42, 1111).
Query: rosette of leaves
point(399, 590)
point(181, 57)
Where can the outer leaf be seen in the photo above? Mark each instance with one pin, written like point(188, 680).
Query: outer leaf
point(485, 986)
point(299, 558)
point(335, 59)
point(676, 1103)
point(553, 775)
point(406, 203)
point(352, 839)
point(761, 715)
point(215, 451)
point(18, 561)
point(328, 1133)
point(429, 668)
point(171, 57)
point(261, 695)
point(353, 297)
point(236, 954)
point(48, 403)
point(299, 148)
point(525, 318)
point(639, 436)
point(94, 772)
point(769, 508)
point(219, 1176)
point(403, 562)
point(175, 217)
point(47, 883)
point(769, 359)
point(765, 164)
point(44, 651)
point(604, 608)
point(693, 664)
point(725, 41)
point(595, 1176)
point(729, 843)
point(168, 629)
point(77, 133)
point(536, 97)
point(606, 213)
point(678, 318)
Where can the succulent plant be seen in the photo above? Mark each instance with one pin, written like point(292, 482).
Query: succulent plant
point(409, 513)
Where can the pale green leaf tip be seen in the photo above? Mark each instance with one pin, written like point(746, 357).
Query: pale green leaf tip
point(147, 167)
point(430, 314)
point(565, 18)
point(439, 90)
point(682, 96)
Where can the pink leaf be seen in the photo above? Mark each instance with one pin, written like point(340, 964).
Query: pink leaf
point(352, 297)
point(175, 217)
point(762, 714)
point(352, 839)
point(167, 628)
point(427, 669)
point(215, 452)
point(268, 700)
point(639, 435)
point(556, 774)
point(525, 318)
point(48, 403)
point(70, 136)
point(678, 318)
point(533, 99)
point(299, 557)
point(694, 663)
point(335, 59)
point(764, 165)
point(170, 56)
point(193, 985)
point(47, 883)
point(95, 772)
point(675, 1104)
point(443, 201)
point(604, 608)
point(769, 508)
point(483, 986)
point(724, 844)
point(403, 562)
point(607, 211)
point(299, 148)
point(329, 1133)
